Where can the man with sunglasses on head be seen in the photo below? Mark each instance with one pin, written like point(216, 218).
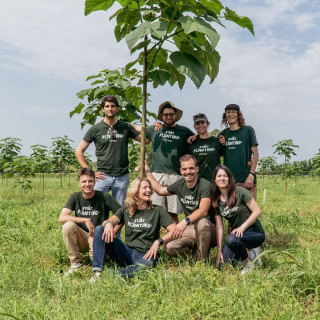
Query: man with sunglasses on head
point(110, 137)
point(169, 144)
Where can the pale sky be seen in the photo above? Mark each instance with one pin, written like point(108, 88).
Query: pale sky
point(48, 48)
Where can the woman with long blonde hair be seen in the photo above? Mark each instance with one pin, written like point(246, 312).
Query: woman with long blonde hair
point(142, 222)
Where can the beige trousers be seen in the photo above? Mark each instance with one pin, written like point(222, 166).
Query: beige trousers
point(77, 241)
point(199, 237)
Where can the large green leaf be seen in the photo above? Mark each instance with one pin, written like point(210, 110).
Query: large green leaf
point(159, 77)
point(210, 62)
point(243, 22)
point(96, 5)
point(77, 109)
point(197, 24)
point(213, 5)
point(133, 37)
point(190, 66)
point(133, 93)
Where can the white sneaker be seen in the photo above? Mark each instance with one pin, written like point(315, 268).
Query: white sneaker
point(74, 267)
point(95, 277)
point(248, 267)
point(253, 253)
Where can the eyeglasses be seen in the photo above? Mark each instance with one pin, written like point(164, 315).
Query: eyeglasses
point(168, 114)
point(231, 111)
point(113, 134)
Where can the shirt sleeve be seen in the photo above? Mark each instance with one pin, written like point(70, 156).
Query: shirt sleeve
point(205, 190)
point(149, 131)
point(132, 132)
point(165, 219)
point(120, 214)
point(252, 137)
point(111, 204)
point(71, 203)
point(89, 136)
point(173, 187)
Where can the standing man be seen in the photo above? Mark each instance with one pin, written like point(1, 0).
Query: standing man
point(195, 231)
point(169, 144)
point(241, 148)
point(91, 209)
point(110, 137)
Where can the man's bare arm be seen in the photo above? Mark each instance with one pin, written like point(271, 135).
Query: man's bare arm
point(82, 147)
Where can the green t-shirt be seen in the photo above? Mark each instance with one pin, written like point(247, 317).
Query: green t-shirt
point(96, 208)
point(144, 228)
point(238, 151)
point(112, 154)
point(169, 145)
point(240, 212)
point(190, 197)
point(208, 153)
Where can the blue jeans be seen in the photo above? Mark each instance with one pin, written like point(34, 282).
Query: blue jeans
point(131, 260)
point(235, 248)
point(118, 186)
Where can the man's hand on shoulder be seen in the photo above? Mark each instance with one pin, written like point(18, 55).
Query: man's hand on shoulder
point(222, 140)
point(99, 176)
point(157, 125)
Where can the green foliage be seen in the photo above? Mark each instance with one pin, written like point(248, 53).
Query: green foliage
point(285, 148)
point(158, 25)
point(9, 150)
point(63, 155)
point(214, 132)
point(116, 82)
point(316, 165)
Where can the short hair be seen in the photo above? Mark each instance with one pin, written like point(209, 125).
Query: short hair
point(109, 98)
point(86, 172)
point(241, 119)
point(188, 157)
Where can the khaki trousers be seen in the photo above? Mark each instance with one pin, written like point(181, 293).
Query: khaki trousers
point(77, 241)
point(199, 237)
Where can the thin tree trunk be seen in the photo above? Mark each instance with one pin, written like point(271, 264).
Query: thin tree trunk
point(144, 112)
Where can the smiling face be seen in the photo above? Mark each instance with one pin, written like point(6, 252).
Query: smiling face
point(169, 116)
point(86, 183)
point(232, 116)
point(110, 109)
point(201, 127)
point(221, 179)
point(145, 191)
point(189, 171)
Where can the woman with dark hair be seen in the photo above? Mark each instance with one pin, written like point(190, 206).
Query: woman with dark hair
point(237, 205)
point(142, 222)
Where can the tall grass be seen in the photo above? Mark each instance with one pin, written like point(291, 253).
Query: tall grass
point(33, 261)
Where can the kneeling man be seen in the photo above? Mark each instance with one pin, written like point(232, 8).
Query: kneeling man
point(195, 231)
point(91, 209)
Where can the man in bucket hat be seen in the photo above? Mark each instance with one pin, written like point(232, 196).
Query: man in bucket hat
point(169, 144)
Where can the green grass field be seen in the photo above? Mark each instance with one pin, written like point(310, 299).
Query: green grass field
point(33, 260)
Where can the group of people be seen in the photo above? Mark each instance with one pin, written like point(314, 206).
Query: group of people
point(185, 176)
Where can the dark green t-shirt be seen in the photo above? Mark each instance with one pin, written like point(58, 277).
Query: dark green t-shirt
point(238, 151)
point(190, 197)
point(97, 208)
point(111, 146)
point(144, 228)
point(240, 212)
point(208, 153)
point(169, 145)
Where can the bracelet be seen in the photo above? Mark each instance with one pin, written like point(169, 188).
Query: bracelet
point(104, 224)
point(252, 173)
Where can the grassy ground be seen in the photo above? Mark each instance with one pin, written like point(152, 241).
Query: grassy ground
point(33, 259)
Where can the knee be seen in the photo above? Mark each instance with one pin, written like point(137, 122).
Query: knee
point(68, 227)
point(202, 225)
point(170, 249)
point(232, 240)
point(98, 231)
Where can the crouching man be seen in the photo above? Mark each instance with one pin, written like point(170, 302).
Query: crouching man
point(195, 233)
point(91, 209)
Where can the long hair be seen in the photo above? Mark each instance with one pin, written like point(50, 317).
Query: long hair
point(231, 189)
point(241, 119)
point(131, 201)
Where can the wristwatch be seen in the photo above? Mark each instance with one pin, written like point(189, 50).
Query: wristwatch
point(160, 240)
point(187, 220)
